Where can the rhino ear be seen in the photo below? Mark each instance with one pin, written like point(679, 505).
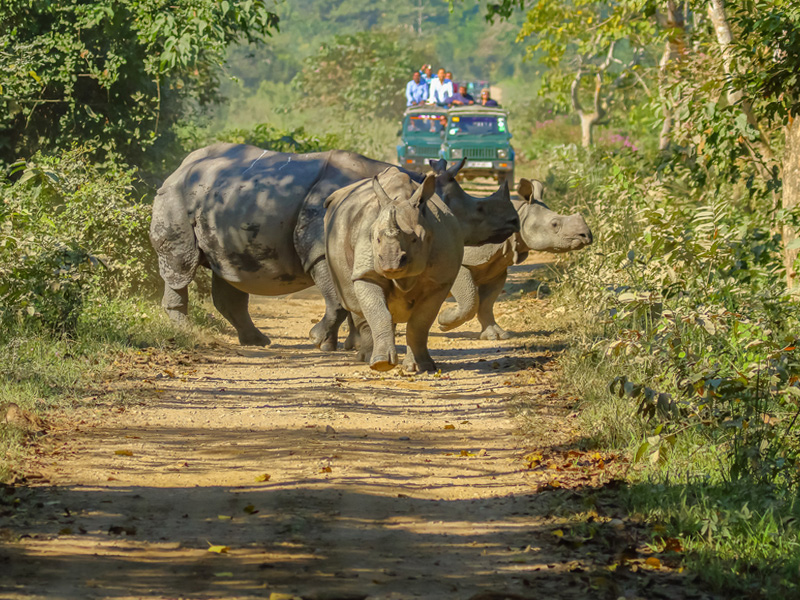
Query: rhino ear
point(525, 189)
point(538, 190)
point(453, 171)
point(425, 191)
point(438, 166)
point(383, 197)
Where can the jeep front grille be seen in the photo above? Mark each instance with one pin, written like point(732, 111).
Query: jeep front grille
point(426, 151)
point(480, 152)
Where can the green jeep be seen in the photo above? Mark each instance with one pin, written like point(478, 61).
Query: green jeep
point(421, 136)
point(480, 134)
point(477, 133)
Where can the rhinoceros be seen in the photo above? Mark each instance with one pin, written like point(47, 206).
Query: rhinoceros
point(483, 272)
point(255, 218)
point(394, 250)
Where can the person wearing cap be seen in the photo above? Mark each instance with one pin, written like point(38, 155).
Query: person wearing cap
point(486, 99)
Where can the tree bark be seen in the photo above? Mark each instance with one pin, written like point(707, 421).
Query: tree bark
point(674, 49)
point(722, 28)
point(791, 199)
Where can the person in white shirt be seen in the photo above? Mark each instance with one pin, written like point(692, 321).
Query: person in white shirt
point(440, 89)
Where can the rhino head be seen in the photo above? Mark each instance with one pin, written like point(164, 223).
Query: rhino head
point(545, 230)
point(487, 220)
point(400, 242)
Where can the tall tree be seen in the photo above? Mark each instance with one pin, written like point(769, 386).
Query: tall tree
point(113, 74)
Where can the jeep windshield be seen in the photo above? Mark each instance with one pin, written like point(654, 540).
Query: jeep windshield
point(425, 125)
point(477, 125)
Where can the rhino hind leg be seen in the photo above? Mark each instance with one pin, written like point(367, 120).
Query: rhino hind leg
point(233, 305)
point(325, 334)
point(465, 292)
point(489, 292)
point(176, 303)
point(353, 340)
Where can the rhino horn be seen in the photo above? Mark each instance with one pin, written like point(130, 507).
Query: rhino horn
point(438, 166)
point(424, 191)
point(383, 197)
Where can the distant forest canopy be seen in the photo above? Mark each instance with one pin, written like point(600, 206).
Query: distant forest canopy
point(462, 41)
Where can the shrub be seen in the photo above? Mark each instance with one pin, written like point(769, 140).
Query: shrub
point(67, 226)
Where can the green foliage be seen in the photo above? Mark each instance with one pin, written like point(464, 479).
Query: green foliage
point(269, 137)
point(112, 75)
point(364, 72)
point(67, 227)
point(745, 540)
point(690, 300)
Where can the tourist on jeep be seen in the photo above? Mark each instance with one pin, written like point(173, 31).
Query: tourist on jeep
point(449, 77)
point(426, 72)
point(460, 98)
point(440, 89)
point(416, 90)
point(486, 99)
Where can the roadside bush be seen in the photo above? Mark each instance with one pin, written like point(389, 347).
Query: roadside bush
point(269, 137)
point(694, 332)
point(68, 227)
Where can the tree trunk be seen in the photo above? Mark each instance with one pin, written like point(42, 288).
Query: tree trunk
point(674, 49)
point(791, 199)
point(587, 128)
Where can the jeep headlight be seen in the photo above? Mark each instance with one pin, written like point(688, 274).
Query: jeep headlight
point(411, 151)
point(457, 153)
point(502, 153)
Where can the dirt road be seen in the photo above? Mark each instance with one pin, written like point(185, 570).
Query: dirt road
point(250, 473)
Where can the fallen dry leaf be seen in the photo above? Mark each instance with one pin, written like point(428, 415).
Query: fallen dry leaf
point(219, 549)
point(653, 562)
point(123, 452)
point(250, 509)
point(449, 426)
point(263, 477)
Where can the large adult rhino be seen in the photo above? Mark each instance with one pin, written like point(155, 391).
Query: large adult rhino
point(394, 250)
point(483, 272)
point(255, 218)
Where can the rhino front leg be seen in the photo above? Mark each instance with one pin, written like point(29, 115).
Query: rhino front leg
point(232, 304)
point(465, 292)
point(489, 292)
point(372, 300)
point(325, 334)
point(176, 303)
point(419, 325)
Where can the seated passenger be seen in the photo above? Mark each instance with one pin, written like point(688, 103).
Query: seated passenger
point(461, 98)
point(416, 90)
point(440, 89)
point(440, 125)
point(486, 99)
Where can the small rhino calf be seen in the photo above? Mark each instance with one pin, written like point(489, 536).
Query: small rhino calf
point(483, 272)
point(394, 250)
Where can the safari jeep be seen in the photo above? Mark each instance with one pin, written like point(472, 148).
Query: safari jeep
point(421, 136)
point(480, 134)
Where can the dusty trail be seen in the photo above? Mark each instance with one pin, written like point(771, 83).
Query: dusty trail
point(379, 485)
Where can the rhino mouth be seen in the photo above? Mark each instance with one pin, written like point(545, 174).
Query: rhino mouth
point(501, 235)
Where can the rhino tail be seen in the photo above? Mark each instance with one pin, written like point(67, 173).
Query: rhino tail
point(173, 238)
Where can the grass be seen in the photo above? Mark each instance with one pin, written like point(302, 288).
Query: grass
point(43, 373)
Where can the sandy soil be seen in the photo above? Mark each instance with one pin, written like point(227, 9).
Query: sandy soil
point(314, 476)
